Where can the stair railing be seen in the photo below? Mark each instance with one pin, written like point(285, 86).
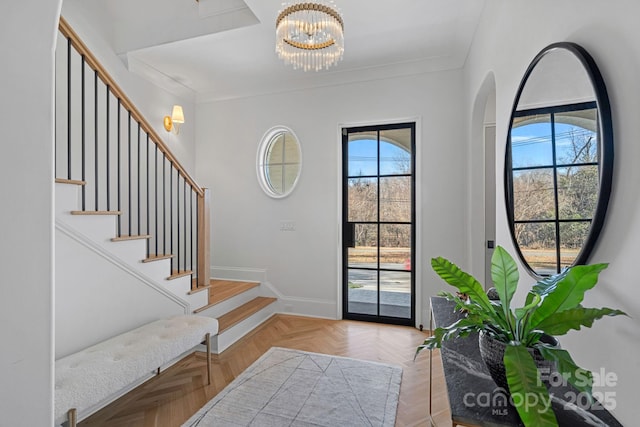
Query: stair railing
point(105, 144)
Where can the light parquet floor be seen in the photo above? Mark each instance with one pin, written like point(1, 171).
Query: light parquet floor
point(172, 397)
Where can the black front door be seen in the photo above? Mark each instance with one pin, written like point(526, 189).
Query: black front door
point(378, 223)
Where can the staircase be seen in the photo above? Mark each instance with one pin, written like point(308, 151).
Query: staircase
point(157, 235)
point(239, 306)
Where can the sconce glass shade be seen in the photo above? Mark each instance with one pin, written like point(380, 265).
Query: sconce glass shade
point(177, 116)
point(173, 122)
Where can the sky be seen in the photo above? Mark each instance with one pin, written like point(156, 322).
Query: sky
point(531, 143)
point(363, 156)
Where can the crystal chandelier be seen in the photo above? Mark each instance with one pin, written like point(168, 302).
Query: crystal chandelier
point(310, 35)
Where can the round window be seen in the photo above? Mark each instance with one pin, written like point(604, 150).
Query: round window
point(279, 162)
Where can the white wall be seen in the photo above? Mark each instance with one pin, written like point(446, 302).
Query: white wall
point(27, 32)
point(303, 265)
point(114, 301)
point(510, 35)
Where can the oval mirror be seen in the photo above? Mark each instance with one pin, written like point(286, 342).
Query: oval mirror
point(559, 160)
point(279, 162)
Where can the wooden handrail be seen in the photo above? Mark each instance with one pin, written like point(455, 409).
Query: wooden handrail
point(203, 197)
point(92, 61)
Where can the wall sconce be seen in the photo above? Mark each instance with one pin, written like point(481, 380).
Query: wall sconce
point(172, 123)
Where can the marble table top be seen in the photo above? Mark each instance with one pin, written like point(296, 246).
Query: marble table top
point(476, 400)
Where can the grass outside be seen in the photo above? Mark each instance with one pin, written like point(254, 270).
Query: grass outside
point(545, 259)
point(369, 254)
point(537, 258)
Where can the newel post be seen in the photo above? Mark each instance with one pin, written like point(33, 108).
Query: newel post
point(204, 239)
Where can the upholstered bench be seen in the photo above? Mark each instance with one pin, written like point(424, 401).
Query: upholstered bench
point(91, 378)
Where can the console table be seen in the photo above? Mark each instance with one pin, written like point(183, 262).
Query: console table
point(475, 399)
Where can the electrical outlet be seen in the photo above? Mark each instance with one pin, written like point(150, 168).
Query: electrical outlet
point(287, 225)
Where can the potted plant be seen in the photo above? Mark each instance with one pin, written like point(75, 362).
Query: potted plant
point(552, 307)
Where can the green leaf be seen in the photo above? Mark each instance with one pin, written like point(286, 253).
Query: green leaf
point(548, 284)
point(505, 276)
point(580, 378)
point(522, 318)
point(560, 323)
point(467, 284)
point(461, 328)
point(568, 292)
point(529, 395)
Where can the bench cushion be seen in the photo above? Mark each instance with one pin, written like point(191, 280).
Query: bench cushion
point(89, 377)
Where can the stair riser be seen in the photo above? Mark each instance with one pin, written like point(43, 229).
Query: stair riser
point(227, 338)
point(67, 198)
point(129, 250)
point(228, 305)
point(156, 270)
point(198, 299)
point(99, 228)
point(181, 288)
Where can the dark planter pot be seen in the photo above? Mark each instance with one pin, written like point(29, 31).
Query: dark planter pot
point(492, 353)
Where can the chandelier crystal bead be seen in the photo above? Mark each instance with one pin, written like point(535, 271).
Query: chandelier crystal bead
point(310, 35)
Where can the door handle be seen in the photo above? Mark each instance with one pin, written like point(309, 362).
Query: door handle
point(349, 234)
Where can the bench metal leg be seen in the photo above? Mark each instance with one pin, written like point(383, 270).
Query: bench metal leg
point(208, 342)
point(72, 416)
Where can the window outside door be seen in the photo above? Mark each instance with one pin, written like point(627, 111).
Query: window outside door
point(378, 223)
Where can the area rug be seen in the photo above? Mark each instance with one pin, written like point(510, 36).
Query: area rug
point(296, 388)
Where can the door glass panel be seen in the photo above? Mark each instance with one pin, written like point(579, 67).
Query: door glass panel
point(363, 291)
point(395, 152)
point(363, 154)
point(395, 294)
point(365, 252)
point(395, 246)
point(395, 199)
point(363, 199)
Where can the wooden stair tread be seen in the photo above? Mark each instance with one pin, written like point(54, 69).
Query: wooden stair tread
point(134, 237)
point(96, 213)
point(237, 315)
point(157, 257)
point(222, 290)
point(178, 274)
point(70, 181)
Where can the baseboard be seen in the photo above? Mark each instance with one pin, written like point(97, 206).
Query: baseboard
point(311, 307)
point(239, 273)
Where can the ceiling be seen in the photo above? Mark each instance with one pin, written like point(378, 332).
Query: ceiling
point(223, 49)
